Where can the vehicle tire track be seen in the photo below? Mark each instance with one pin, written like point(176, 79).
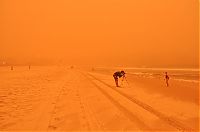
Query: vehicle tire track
point(51, 127)
point(94, 123)
point(124, 110)
point(86, 124)
point(55, 121)
point(169, 120)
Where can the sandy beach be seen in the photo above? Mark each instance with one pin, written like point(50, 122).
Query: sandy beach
point(64, 99)
point(61, 62)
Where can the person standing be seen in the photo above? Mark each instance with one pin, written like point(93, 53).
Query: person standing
point(167, 79)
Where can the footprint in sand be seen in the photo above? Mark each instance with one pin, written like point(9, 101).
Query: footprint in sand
point(57, 119)
point(52, 127)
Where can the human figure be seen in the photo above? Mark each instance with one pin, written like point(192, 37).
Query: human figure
point(11, 67)
point(117, 75)
point(167, 79)
point(29, 67)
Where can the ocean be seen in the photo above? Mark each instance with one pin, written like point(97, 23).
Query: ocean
point(181, 74)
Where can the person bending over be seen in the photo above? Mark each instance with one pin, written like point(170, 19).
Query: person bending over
point(118, 75)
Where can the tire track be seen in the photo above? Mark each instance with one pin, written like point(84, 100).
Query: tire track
point(93, 119)
point(63, 93)
point(83, 115)
point(124, 110)
point(169, 120)
point(51, 127)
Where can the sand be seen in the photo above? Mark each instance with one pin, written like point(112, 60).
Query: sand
point(64, 99)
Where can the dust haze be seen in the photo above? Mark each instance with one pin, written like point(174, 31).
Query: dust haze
point(151, 33)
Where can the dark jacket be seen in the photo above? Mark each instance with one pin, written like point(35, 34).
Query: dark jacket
point(118, 74)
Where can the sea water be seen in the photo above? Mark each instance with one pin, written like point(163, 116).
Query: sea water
point(182, 74)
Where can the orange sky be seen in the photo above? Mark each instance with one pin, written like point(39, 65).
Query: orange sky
point(158, 33)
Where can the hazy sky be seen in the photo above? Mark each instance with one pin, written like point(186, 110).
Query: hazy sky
point(158, 33)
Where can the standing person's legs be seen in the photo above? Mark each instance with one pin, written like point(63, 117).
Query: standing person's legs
point(167, 82)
